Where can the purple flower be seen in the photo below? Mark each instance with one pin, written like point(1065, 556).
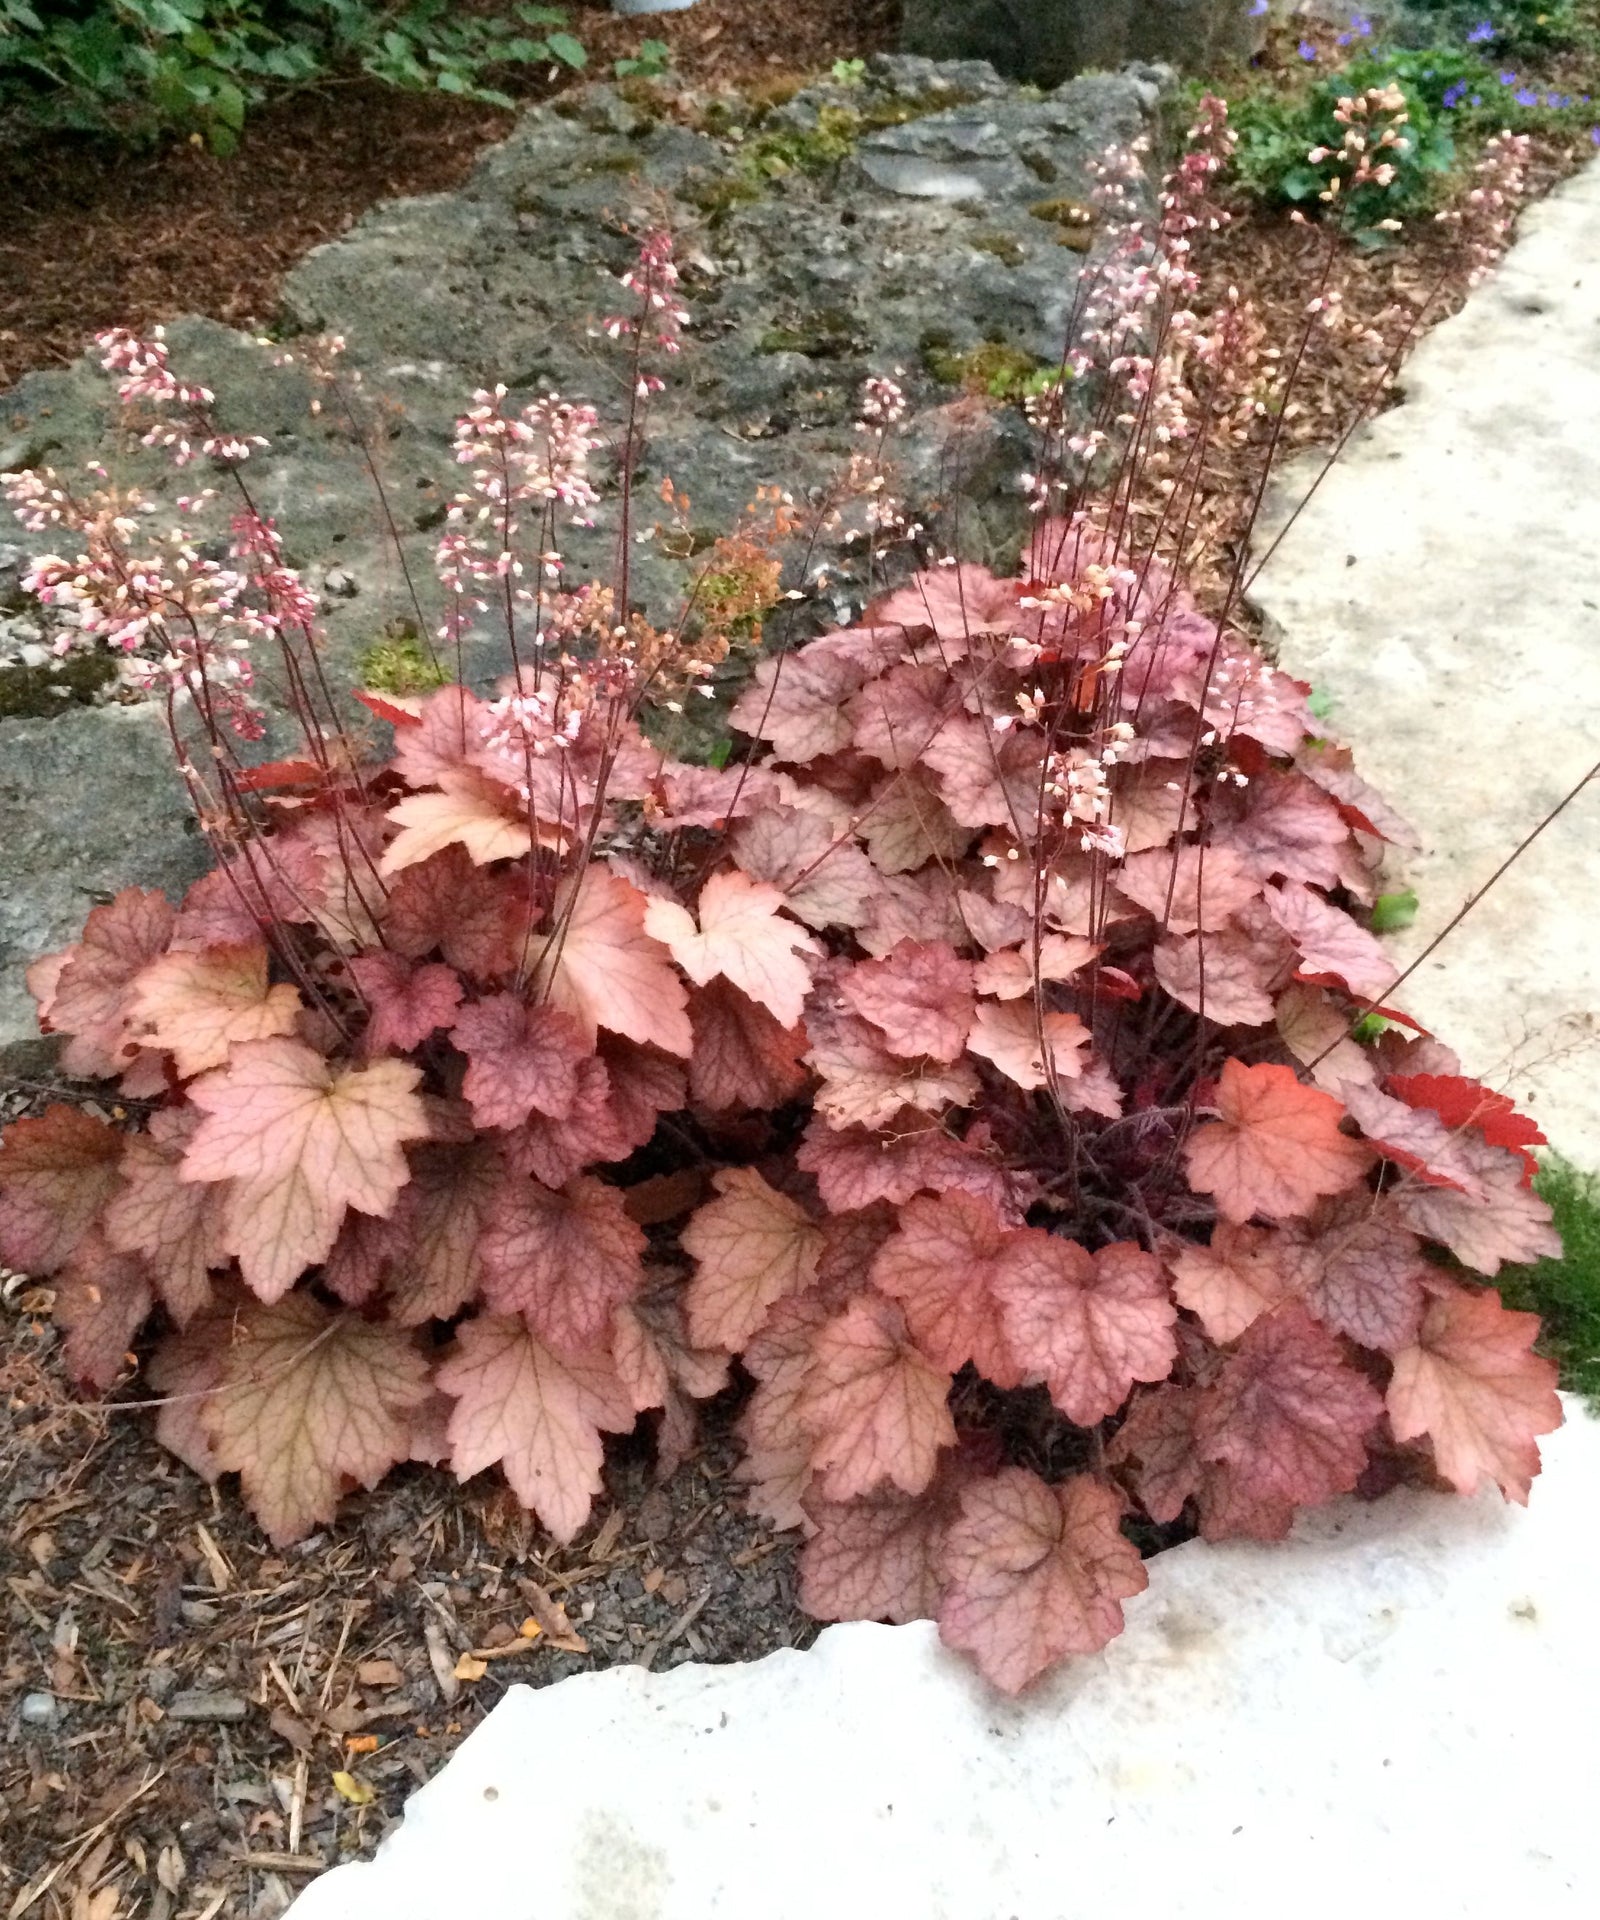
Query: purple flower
point(1453, 96)
point(1594, 135)
point(1526, 97)
point(1484, 30)
point(1306, 50)
point(1258, 9)
point(1507, 79)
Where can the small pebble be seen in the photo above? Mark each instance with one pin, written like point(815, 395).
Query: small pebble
point(39, 1710)
point(195, 1705)
point(337, 581)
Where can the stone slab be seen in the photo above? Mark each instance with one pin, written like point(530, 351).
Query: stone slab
point(1048, 40)
point(1392, 1713)
point(1443, 588)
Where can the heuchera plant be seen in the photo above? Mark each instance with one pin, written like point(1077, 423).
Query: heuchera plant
point(973, 1060)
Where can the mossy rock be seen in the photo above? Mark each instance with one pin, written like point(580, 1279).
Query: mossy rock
point(994, 368)
point(399, 664)
point(42, 693)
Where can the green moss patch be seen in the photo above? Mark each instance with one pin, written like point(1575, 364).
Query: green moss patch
point(398, 663)
point(40, 693)
point(1566, 1292)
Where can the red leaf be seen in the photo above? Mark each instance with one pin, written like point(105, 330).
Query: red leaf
point(875, 1559)
point(1275, 1148)
point(1035, 1573)
point(919, 997)
point(1286, 1414)
point(521, 1059)
point(56, 1172)
point(742, 1057)
point(272, 774)
point(408, 1003)
point(875, 1409)
point(1288, 828)
point(942, 1265)
point(539, 1414)
point(1475, 1388)
point(751, 1246)
point(300, 1141)
point(553, 1151)
point(1465, 1103)
point(565, 1259)
point(397, 716)
point(103, 1297)
point(307, 1400)
point(741, 939)
point(1089, 1326)
point(433, 1233)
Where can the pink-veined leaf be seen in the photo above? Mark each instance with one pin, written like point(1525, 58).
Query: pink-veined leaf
point(1088, 1325)
point(91, 998)
point(299, 1141)
point(604, 969)
point(941, 1264)
point(408, 1003)
point(919, 997)
point(1333, 949)
point(450, 906)
point(1035, 1573)
point(564, 1259)
point(1188, 887)
point(742, 1056)
point(854, 1167)
point(874, 1407)
point(1006, 1033)
point(863, 1083)
point(1473, 1385)
point(102, 1298)
point(1509, 1222)
point(520, 1059)
point(751, 1246)
point(57, 1170)
point(197, 1005)
point(536, 1413)
point(180, 1226)
point(308, 1399)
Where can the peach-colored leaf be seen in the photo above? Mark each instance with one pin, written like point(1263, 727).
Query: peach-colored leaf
point(308, 1400)
point(537, 1413)
point(433, 1233)
point(797, 701)
point(875, 1408)
point(941, 1265)
point(661, 1366)
point(875, 1559)
point(1035, 1573)
point(1006, 1033)
point(179, 1225)
point(197, 1005)
point(742, 939)
point(751, 1246)
point(1010, 973)
point(468, 811)
point(906, 823)
point(603, 968)
point(1088, 1325)
point(185, 1371)
point(1275, 1147)
point(777, 1463)
point(300, 1141)
point(1474, 1386)
point(1240, 1276)
point(56, 1172)
point(564, 1259)
point(826, 881)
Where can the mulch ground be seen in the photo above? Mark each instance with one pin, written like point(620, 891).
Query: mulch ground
point(190, 1722)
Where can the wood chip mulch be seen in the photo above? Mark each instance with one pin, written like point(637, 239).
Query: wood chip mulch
point(190, 1722)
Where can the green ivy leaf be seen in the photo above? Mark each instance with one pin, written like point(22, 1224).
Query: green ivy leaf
point(569, 49)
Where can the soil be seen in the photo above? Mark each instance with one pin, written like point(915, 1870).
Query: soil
point(190, 1722)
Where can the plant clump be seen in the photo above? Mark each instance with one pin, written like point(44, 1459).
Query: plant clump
point(967, 1065)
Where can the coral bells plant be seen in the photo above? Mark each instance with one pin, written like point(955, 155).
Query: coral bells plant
point(988, 1067)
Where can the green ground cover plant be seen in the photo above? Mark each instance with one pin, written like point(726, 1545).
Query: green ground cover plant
point(141, 67)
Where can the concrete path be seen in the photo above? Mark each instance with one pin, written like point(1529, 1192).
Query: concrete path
point(1443, 588)
point(1390, 1714)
